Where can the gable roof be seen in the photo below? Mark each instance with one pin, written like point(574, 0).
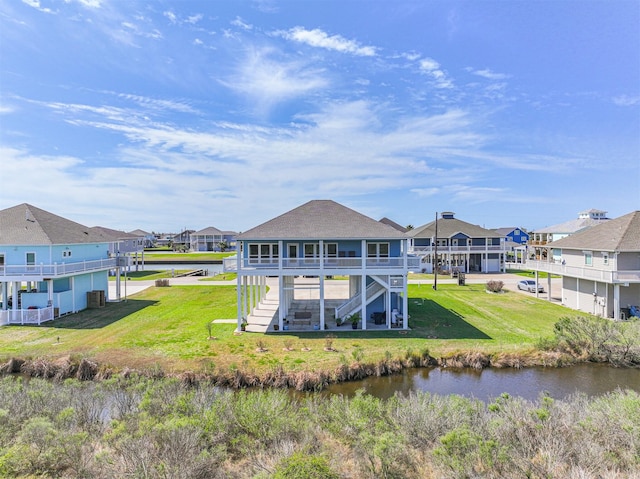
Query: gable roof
point(619, 234)
point(448, 227)
point(25, 224)
point(322, 219)
point(140, 232)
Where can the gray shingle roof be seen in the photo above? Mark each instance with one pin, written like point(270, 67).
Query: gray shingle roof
point(322, 219)
point(210, 230)
point(572, 226)
point(114, 234)
point(619, 234)
point(27, 225)
point(395, 225)
point(448, 227)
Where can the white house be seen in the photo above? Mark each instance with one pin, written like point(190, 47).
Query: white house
point(600, 267)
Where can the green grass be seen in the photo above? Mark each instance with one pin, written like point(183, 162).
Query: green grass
point(168, 327)
point(149, 275)
point(203, 256)
point(531, 274)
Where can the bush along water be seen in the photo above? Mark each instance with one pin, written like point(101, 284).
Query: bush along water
point(159, 428)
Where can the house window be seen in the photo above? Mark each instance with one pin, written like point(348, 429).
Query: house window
point(588, 258)
point(331, 250)
point(292, 250)
point(605, 258)
point(265, 253)
point(1, 262)
point(377, 250)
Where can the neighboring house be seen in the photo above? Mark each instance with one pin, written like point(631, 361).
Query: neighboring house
point(540, 237)
point(148, 238)
point(600, 267)
point(319, 239)
point(212, 239)
point(515, 241)
point(48, 264)
point(459, 245)
point(129, 245)
point(182, 241)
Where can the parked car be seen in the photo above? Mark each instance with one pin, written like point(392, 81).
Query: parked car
point(530, 285)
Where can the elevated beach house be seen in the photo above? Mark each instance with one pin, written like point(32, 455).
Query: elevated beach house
point(453, 244)
point(308, 245)
point(600, 267)
point(48, 264)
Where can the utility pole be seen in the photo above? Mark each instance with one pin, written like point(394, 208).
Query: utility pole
point(435, 258)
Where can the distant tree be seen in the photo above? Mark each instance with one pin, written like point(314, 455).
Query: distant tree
point(409, 227)
point(223, 245)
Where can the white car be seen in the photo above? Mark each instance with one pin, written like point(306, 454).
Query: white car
point(530, 285)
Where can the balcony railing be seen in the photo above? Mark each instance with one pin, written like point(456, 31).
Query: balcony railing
point(56, 269)
point(26, 316)
point(458, 249)
point(230, 263)
point(591, 273)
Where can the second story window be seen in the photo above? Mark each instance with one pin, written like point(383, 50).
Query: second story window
point(377, 250)
point(588, 258)
point(265, 253)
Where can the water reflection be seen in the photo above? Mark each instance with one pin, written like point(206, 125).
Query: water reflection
point(589, 379)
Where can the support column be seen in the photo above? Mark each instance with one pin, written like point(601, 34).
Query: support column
point(239, 299)
point(616, 302)
point(282, 300)
point(322, 302)
point(405, 309)
point(363, 297)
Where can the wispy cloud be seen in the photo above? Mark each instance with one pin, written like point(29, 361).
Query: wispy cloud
point(488, 74)
point(267, 81)
point(239, 22)
point(320, 39)
point(36, 4)
point(431, 68)
point(625, 100)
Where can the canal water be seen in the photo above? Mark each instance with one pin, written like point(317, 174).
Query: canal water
point(487, 384)
point(212, 268)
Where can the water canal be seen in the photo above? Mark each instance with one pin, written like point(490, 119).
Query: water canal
point(529, 383)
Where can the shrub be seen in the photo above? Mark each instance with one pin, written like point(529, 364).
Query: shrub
point(494, 286)
point(304, 466)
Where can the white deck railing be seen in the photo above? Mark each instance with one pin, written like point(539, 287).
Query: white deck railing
point(56, 269)
point(26, 316)
point(458, 249)
point(595, 274)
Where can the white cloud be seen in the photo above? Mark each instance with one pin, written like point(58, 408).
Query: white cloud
point(36, 4)
point(625, 100)
point(238, 22)
point(431, 68)
point(267, 81)
point(488, 74)
point(320, 39)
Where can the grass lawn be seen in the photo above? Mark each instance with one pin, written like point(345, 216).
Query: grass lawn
point(531, 274)
point(167, 327)
point(202, 256)
point(149, 275)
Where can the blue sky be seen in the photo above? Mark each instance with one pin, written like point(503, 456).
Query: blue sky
point(164, 115)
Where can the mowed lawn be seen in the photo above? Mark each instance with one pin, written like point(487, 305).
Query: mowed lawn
point(168, 328)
